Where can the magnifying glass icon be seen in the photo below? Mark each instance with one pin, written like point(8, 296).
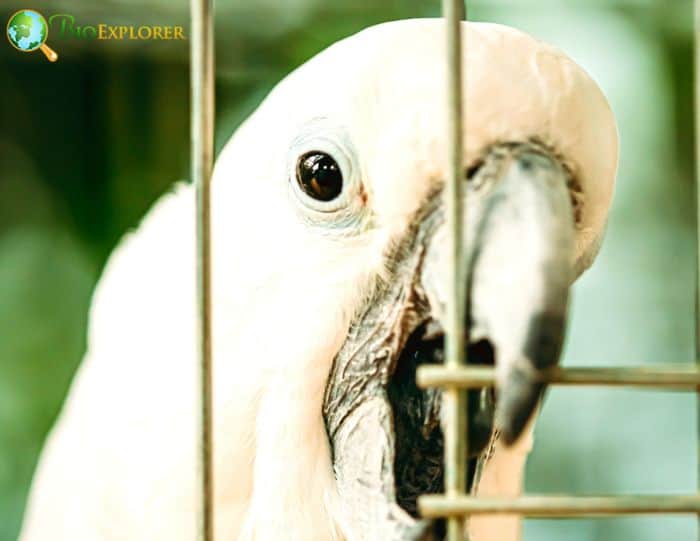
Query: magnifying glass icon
point(27, 31)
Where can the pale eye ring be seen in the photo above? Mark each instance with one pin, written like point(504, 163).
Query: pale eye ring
point(323, 172)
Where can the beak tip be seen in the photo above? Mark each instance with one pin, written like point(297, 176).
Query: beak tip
point(517, 402)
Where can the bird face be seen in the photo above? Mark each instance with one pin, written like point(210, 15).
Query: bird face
point(353, 239)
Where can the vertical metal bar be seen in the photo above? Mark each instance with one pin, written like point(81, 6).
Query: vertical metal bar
point(454, 402)
point(696, 46)
point(202, 148)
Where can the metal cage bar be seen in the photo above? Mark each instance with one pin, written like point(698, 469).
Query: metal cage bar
point(454, 376)
point(696, 51)
point(673, 378)
point(202, 158)
point(540, 506)
point(454, 399)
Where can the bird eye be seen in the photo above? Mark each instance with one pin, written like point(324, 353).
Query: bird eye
point(319, 176)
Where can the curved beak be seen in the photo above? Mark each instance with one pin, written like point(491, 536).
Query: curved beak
point(519, 245)
point(521, 271)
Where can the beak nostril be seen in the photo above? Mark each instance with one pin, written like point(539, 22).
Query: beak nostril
point(526, 163)
point(473, 169)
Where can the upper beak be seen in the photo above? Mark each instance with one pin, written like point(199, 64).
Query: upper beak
point(519, 246)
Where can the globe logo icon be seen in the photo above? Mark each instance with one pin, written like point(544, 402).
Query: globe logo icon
point(27, 31)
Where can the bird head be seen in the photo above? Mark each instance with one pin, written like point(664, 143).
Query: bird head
point(333, 189)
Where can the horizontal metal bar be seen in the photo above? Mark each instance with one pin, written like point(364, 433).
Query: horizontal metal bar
point(679, 377)
point(537, 506)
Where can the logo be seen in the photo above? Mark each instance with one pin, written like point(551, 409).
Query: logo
point(27, 31)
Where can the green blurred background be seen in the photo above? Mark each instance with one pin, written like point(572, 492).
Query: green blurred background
point(88, 143)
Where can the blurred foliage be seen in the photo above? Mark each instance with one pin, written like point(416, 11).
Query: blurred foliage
point(87, 144)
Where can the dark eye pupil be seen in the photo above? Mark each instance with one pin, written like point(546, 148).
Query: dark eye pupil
point(319, 176)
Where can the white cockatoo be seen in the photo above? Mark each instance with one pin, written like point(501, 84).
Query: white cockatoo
point(328, 283)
